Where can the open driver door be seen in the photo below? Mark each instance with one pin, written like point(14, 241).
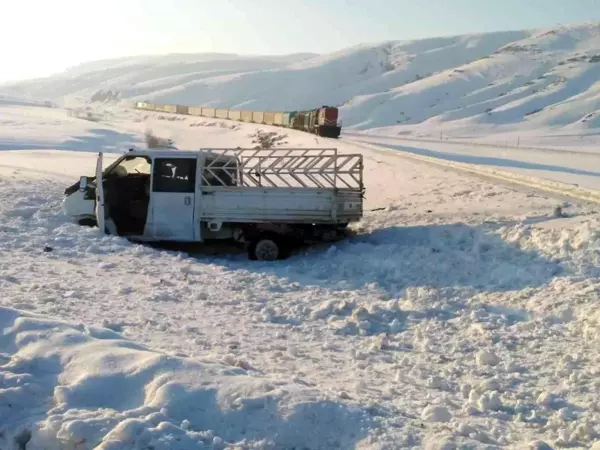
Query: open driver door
point(99, 208)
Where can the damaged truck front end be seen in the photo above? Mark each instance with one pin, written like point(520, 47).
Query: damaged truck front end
point(80, 199)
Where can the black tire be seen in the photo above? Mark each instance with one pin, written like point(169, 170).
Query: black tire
point(267, 247)
point(87, 222)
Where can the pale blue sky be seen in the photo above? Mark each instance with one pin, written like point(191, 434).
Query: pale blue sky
point(40, 37)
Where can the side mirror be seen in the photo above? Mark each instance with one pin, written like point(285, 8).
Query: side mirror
point(83, 183)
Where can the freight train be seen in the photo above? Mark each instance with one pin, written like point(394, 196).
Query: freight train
point(321, 121)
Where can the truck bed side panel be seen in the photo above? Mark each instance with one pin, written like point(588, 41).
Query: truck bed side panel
point(276, 205)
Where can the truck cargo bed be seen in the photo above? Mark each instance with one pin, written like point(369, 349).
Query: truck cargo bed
point(281, 185)
point(290, 205)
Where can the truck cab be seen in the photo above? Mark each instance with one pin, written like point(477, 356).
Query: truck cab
point(148, 195)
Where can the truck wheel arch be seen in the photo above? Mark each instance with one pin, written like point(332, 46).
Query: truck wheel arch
point(87, 221)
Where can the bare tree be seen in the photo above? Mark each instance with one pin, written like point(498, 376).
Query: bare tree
point(268, 139)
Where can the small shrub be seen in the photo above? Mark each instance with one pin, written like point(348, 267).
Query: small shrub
point(267, 139)
point(535, 111)
point(387, 66)
point(153, 141)
point(85, 114)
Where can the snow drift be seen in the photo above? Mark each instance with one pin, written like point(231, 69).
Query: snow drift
point(91, 388)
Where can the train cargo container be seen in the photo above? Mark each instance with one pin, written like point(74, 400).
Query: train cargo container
point(181, 109)
point(278, 118)
point(170, 109)
point(221, 113)
point(208, 112)
point(301, 120)
point(246, 116)
point(294, 119)
point(234, 114)
point(286, 119)
point(195, 110)
point(310, 120)
point(258, 116)
point(268, 117)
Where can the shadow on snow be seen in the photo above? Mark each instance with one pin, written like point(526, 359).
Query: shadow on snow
point(97, 139)
point(393, 259)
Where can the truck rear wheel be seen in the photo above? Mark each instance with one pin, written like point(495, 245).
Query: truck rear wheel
point(267, 248)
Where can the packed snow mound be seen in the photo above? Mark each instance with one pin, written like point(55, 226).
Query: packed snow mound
point(76, 386)
point(530, 78)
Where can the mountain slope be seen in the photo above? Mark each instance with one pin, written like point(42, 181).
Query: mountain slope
point(8, 98)
point(549, 79)
point(500, 81)
point(293, 82)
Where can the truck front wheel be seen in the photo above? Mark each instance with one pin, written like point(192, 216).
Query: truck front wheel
point(88, 222)
point(267, 248)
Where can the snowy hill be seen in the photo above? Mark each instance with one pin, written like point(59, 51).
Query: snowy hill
point(530, 79)
point(548, 79)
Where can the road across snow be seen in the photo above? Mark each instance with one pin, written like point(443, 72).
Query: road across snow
point(569, 167)
point(462, 314)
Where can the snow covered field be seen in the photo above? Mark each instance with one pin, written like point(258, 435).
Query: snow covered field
point(462, 314)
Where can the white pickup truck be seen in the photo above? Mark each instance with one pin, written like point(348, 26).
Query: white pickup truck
point(269, 200)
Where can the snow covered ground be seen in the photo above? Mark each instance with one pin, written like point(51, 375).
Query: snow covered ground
point(463, 314)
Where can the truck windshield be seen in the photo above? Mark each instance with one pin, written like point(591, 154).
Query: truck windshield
point(130, 165)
